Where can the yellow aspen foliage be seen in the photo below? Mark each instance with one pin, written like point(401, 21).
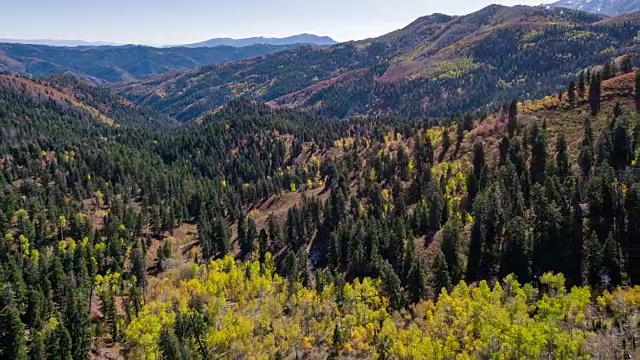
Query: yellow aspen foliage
point(253, 313)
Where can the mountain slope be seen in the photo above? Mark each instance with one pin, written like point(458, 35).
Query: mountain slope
point(289, 40)
point(67, 94)
point(437, 65)
point(116, 63)
point(605, 7)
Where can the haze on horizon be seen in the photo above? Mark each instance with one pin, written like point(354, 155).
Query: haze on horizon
point(163, 22)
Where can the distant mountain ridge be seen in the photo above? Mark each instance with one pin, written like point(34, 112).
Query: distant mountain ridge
point(289, 40)
point(58, 42)
point(118, 63)
point(604, 7)
point(436, 66)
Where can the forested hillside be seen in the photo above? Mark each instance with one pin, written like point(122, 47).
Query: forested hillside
point(382, 235)
point(437, 66)
point(100, 64)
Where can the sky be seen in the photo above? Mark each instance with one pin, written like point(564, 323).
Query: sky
point(165, 22)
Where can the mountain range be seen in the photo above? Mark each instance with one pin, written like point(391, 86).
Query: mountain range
point(117, 63)
point(438, 65)
point(58, 42)
point(290, 40)
point(604, 7)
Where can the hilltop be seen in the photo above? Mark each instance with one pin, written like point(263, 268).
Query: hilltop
point(439, 65)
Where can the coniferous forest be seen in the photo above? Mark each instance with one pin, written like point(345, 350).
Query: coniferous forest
point(260, 232)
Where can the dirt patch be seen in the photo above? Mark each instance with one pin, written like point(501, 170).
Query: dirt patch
point(105, 350)
point(401, 70)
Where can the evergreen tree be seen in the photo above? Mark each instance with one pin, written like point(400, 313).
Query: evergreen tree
point(451, 247)
point(562, 157)
point(247, 245)
point(442, 280)
point(170, 345)
point(581, 85)
point(12, 340)
point(612, 264)
point(416, 280)
point(337, 342)
point(571, 93)
point(37, 348)
point(538, 155)
point(393, 287)
point(139, 267)
point(478, 160)
point(621, 152)
point(593, 259)
point(204, 233)
point(221, 236)
point(263, 245)
point(586, 150)
point(275, 236)
point(546, 232)
point(512, 123)
point(595, 94)
point(517, 255)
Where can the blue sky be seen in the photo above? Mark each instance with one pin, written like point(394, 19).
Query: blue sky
point(184, 21)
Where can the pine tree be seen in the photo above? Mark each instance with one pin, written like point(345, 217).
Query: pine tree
point(478, 160)
point(37, 348)
point(612, 262)
point(275, 236)
point(442, 279)
point(595, 94)
point(337, 342)
point(437, 206)
point(512, 124)
point(451, 246)
point(221, 236)
point(204, 233)
point(538, 155)
point(393, 287)
point(626, 65)
point(263, 244)
point(609, 70)
point(242, 228)
point(416, 280)
point(586, 150)
point(517, 255)
point(247, 245)
point(64, 344)
point(593, 259)
point(546, 232)
point(621, 152)
point(12, 341)
point(562, 157)
point(571, 93)
point(581, 85)
point(78, 325)
point(170, 345)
